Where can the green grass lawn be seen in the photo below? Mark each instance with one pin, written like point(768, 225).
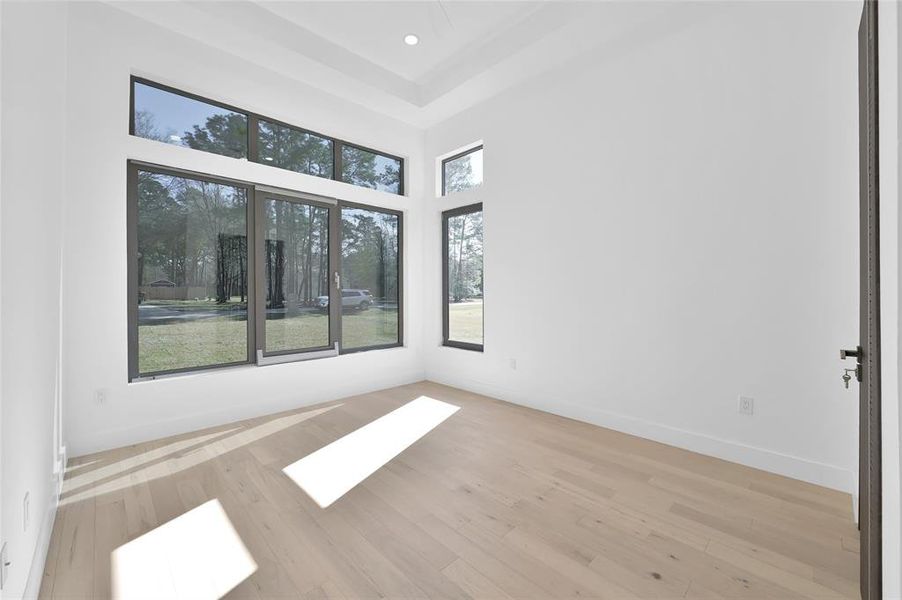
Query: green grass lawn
point(465, 322)
point(216, 340)
point(300, 331)
point(233, 304)
point(191, 344)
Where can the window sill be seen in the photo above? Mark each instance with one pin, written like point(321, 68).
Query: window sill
point(204, 372)
point(464, 346)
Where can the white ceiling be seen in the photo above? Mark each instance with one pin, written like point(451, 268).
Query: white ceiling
point(375, 30)
point(469, 50)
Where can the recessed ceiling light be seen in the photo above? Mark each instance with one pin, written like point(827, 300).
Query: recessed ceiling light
point(411, 40)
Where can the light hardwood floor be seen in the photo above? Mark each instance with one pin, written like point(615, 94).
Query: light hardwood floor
point(499, 501)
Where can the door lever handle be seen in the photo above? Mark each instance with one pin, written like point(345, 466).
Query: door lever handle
point(856, 353)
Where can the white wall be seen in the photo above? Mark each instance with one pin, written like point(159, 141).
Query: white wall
point(670, 224)
point(695, 239)
point(105, 47)
point(33, 192)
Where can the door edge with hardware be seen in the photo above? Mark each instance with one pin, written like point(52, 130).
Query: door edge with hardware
point(868, 354)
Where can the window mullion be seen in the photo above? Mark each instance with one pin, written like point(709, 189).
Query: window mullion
point(258, 342)
point(334, 269)
point(253, 152)
point(337, 167)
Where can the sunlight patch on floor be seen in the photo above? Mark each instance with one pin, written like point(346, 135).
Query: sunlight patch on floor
point(197, 555)
point(80, 466)
point(176, 458)
point(329, 473)
point(90, 477)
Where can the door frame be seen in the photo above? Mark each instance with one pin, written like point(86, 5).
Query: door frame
point(869, 355)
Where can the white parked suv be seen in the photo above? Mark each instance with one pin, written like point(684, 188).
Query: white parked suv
point(354, 299)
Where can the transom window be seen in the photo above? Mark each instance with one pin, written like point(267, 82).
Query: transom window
point(462, 171)
point(168, 115)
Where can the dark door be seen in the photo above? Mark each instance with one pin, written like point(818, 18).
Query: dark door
point(868, 353)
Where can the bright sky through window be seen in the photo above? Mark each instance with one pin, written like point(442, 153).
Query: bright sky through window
point(333, 470)
point(197, 555)
point(463, 172)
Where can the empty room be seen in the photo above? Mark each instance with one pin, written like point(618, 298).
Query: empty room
point(460, 299)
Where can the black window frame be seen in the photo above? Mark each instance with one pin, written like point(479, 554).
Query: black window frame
point(171, 90)
point(253, 120)
point(342, 205)
point(446, 341)
point(255, 339)
point(261, 194)
point(134, 167)
point(454, 157)
point(253, 133)
point(338, 147)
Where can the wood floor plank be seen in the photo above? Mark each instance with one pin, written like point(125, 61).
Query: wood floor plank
point(474, 583)
point(499, 501)
point(110, 532)
point(74, 574)
point(49, 576)
point(791, 581)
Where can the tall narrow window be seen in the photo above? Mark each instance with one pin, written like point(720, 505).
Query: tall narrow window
point(462, 278)
point(462, 171)
point(176, 118)
point(370, 278)
point(190, 270)
point(295, 267)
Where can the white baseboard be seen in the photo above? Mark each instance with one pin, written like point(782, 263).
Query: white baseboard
point(810, 471)
point(125, 436)
point(42, 548)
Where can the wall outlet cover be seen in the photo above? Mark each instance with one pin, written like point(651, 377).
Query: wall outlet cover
point(26, 506)
point(746, 405)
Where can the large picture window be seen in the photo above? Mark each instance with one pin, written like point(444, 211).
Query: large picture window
point(190, 271)
point(165, 114)
point(224, 272)
point(462, 277)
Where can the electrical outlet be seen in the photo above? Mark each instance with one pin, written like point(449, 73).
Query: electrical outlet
point(513, 364)
point(26, 510)
point(100, 396)
point(746, 406)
